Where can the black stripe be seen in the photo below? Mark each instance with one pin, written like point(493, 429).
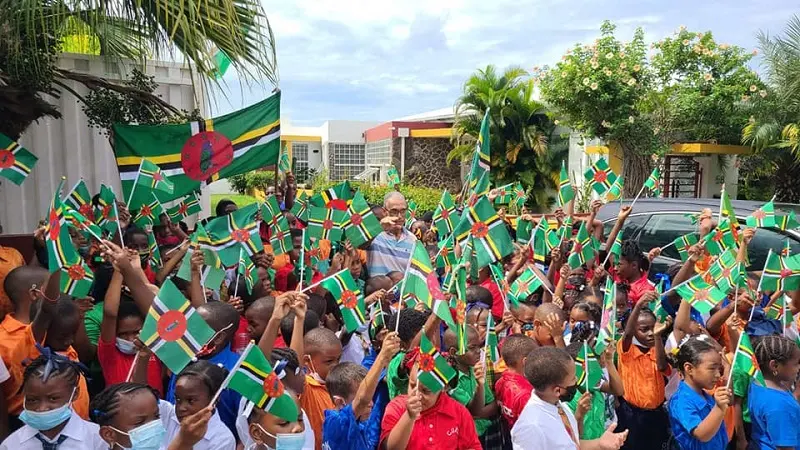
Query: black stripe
point(251, 141)
point(135, 167)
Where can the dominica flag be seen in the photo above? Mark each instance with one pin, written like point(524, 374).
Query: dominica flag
point(212, 272)
point(520, 196)
point(481, 189)
point(149, 213)
point(280, 237)
point(458, 301)
point(237, 229)
point(392, 176)
point(582, 249)
point(778, 309)
point(490, 237)
point(446, 257)
point(271, 211)
point(501, 281)
point(105, 215)
point(349, 297)
point(173, 329)
point(60, 251)
point(726, 211)
point(149, 179)
point(683, 243)
point(325, 223)
point(727, 272)
point(744, 361)
point(81, 223)
point(539, 240)
point(16, 162)
point(720, 239)
point(565, 191)
point(79, 199)
point(505, 194)
point(653, 182)
point(787, 221)
point(300, 207)
point(700, 294)
point(247, 270)
point(524, 229)
point(284, 163)
point(587, 369)
point(360, 224)
point(336, 197)
point(481, 161)
point(780, 274)
point(492, 344)
point(616, 249)
point(524, 286)
point(254, 378)
point(565, 231)
point(311, 252)
point(434, 370)
point(76, 279)
point(416, 286)
point(445, 218)
point(608, 321)
point(153, 252)
point(600, 176)
point(195, 153)
point(411, 213)
point(377, 320)
point(616, 190)
point(763, 217)
point(551, 238)
point(188, 206)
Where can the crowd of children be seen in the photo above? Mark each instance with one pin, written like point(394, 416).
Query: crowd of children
point(75, 374)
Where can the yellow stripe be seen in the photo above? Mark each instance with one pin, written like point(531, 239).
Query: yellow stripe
point(256, 133)
point(136, 160)
point(254, 369)
point(182, 344)
point(13, 145)
point(209, 124)
point(22, 166)
point(154, 314)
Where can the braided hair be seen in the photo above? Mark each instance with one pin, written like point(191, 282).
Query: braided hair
point(285, 359)
point(50, 365)
point(209, 373)
point(692, 349)
point(104, 406)
point(773, 347)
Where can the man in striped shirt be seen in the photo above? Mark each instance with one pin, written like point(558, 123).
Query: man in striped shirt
point(391, 250)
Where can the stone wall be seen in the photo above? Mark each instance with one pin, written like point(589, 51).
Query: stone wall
point(426, 163)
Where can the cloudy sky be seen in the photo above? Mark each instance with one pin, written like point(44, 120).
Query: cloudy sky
point(383, 59)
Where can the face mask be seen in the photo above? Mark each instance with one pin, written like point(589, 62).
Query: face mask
point(313, 372)
point(286, 441)
point(126, 347)
point(569, 393)
point(47, 420)
point(149, 436)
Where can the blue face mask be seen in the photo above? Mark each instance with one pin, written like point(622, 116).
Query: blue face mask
point(125, 347)
point(149, 436)
point(286, 441)
point(47, 420)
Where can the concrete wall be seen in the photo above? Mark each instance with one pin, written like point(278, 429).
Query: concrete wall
point(69, 147)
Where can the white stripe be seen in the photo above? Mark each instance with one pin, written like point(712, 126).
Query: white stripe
point(188, 336)
point(195, 127)
point(160, 342)
point(161, 305)
point(251, 376)
point(131, 176)
point(266, 139)
point(18, 170)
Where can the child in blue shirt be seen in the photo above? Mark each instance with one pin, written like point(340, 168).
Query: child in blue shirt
point(773, 409)
point(695, 417)
point(355, 424)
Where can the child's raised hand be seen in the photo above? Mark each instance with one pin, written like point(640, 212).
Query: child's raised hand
point(115, 255)
point(414, 403)
point(378, 295)
point(236, 302)
point(299, 305)
point(479, 372)
point(748, 234)
point(624, 212)
point(283, 304)
point(722, 396)
point(390, 347)
point(84, 305)
point(198, 261)
point(554, 325)
point(506, 323)
point(654, 253)
point(584, 404)
point(564, 271)
point(555, 254)
point(661, 328)
point(596, 205)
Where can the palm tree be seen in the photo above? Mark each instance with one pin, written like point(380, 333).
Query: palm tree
point(521, 133)
point(32, 33)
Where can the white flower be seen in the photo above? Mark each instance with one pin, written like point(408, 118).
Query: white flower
point(682, 27)
point(686, 42)
point(700, 35)
point(622, 54)
point(607, 71)
point(637, 67)
point(723, 46)
point(605, 124)
point(594, 86)
point(595, 64)
point(556, 122)
point(745, 98)
point(622, 65)
point(707, 76)
point(563, 74)
point(631, 82)
point(609, 55)
point(697, 49)
point(656, 130)
point(753, 88)
point(630, 119)
point(585, 81)
point(762, 93)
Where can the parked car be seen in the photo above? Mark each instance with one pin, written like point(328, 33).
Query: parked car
point(655, 222)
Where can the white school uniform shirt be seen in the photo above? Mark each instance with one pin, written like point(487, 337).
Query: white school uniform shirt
point(218, 436)
point(81, 435)
point(539, 427)
point(243, 428)
point(4, 375)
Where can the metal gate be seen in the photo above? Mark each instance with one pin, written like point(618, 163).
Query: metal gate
point(683, 177)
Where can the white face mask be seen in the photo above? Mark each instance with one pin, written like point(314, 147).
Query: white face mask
point(283, 441)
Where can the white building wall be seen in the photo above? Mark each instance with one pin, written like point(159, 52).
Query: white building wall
point(69, 147)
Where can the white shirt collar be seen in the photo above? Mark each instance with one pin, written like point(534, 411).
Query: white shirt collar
point(74, 429)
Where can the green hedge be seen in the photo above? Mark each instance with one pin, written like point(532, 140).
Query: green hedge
point(426, 198)
point(248, 182)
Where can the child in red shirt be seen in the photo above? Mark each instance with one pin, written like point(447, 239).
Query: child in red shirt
point(513, 390)
point(427, 420)
point(632, 269)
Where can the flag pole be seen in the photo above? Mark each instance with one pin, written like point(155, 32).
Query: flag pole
point(721, 202)
point(233, 371)
point(236, 285)
point(119, 227)
point(302, 261)
point(586, 363)
point(320, 281)
point(133, 366)
point(135, 182)
point(506, 305)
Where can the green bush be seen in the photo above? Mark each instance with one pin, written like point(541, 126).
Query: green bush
point(247, 182)
point(426, 198)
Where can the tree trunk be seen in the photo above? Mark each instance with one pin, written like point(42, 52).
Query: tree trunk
point(787, 172)
point(635, 170)
point(19, 108)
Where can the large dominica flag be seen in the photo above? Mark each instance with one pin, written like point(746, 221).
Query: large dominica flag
point(392, 176)
point(416, 286)
point(149, 213)
point(744, 361)
point(600, 176)
point(16, 162)
point(237, 229)
point(491, 240)
point(587, 369)
point(720, 238)
point(763, 217)
point(525, 285)
point(188, 206)
point(336, 197)
point(173, 329)
point(325, 223)
point(780, 274)
point(300, 208)
point(106, 214)
point(360, 224)
point(254, 378)
point(608, 321)
point(212, 272)
point(727, 272)
point(683, 243)
point(481, 161)
point(700, 294)
point(582, 249)
point(80, 199)
point(434, 370)
point(653, 182)
point(194, 153)
point(445, 218)
point(565, 191)
point(349, 297)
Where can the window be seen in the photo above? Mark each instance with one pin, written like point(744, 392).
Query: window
point(632, 225)
point(379, 153)
point(300, 156)
point(662, 229)
point(345, 160)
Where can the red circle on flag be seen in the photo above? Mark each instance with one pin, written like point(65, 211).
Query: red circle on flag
point(76, 272)
point(785, 273)
point(426, 362)
point(240, 235)
point(349, 299)
point(701, 294)
point(759, 214)
point(146, 211)
point(445, 214)
point(273, 386)
point(171, 325)
point(279, 236)
point(356, 219)
point(726, 273)
point(479, 230)
point(461, 311)
point(523, 287)
point(86, 210)
point(600, 176)
point(55, 225)
point(327, 224)
point(106, 211)
point(6, 159)
point(205, 154)
point(183, 208)
point(520, 194)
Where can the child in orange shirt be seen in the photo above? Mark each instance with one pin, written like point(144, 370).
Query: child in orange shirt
point(322, 352)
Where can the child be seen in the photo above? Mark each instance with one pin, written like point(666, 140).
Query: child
point(696, 418)
point(495, 298)
point(265, 430)
point(773, 409)
point(50, 384)
point(257, 315)
point(194, 388)
point(122, 322)
point(411, 325)
point(546, 422)
point(548, 326)
point(512, 389)
point(582, 315)
point(423, 419)
point(632, 269)
point(322, 352)
point(642, 365)
point(128, 416)
point(355, 423)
